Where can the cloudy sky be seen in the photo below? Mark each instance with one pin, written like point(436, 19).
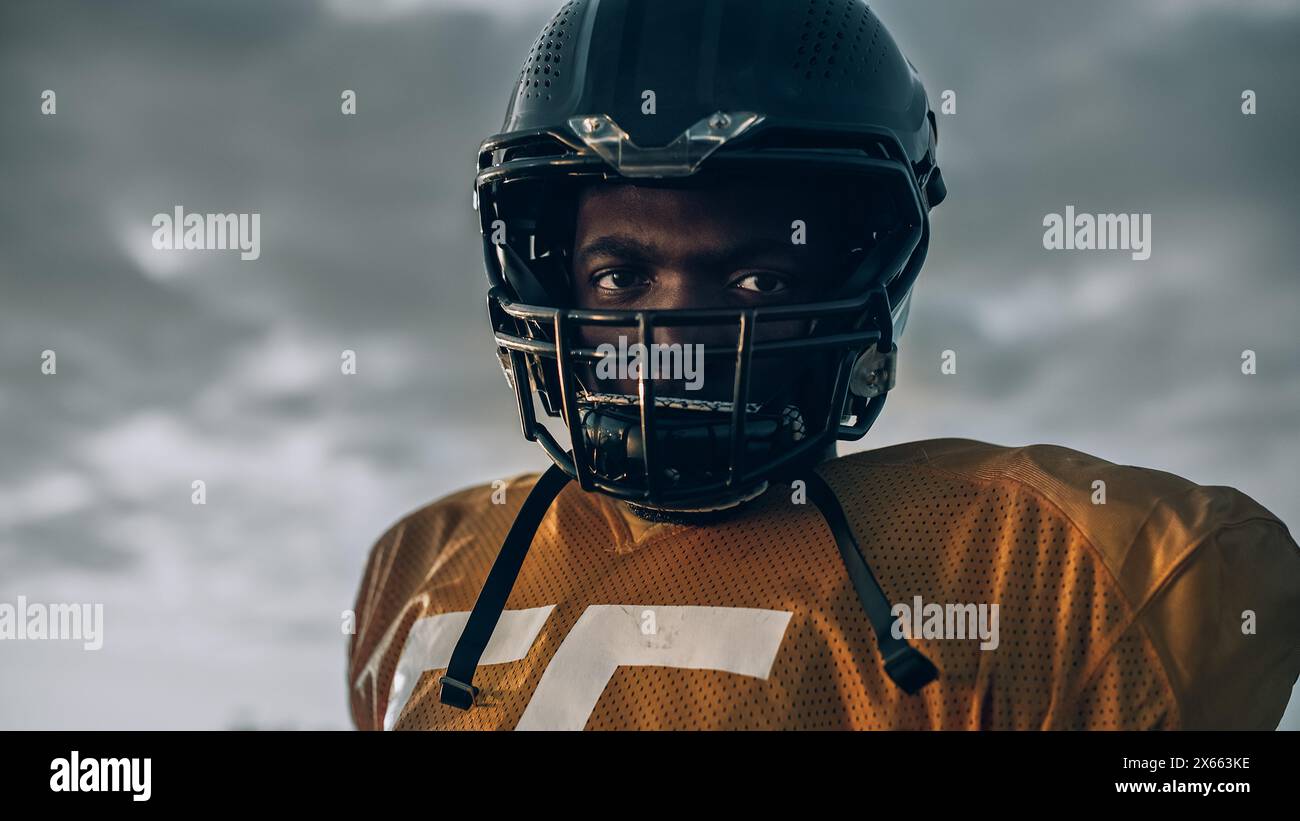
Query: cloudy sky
point(177, 367)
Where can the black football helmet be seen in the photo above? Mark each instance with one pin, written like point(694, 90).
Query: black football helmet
point(762, 88)
point(741, 87)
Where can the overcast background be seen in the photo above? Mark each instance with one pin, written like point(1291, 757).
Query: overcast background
point(181, 366)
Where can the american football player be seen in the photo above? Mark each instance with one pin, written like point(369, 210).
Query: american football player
point(702, 224)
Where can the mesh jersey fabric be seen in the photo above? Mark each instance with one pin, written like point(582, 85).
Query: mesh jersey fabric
point(1125, 614)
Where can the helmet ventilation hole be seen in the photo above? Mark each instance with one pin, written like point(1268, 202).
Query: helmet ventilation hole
point(550, 50)
point(838, 44)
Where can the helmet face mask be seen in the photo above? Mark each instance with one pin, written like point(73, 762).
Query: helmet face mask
point(780, 382)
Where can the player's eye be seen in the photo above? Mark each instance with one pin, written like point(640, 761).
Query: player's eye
point(619, 279)
point(760, 282)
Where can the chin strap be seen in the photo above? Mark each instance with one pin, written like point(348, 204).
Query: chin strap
point(458, 688)
point(906, 666)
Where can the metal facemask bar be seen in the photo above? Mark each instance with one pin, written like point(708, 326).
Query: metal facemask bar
point(567, 356)
point(869, 329)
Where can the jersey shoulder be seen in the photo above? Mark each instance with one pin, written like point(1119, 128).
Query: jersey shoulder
point(1122, 511)
point(1209, 578)
point(473, 519)
point(461, 530)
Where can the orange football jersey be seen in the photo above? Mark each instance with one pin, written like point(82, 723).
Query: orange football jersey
point(1126, 598)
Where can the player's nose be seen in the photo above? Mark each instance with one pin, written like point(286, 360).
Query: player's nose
point(683, 290)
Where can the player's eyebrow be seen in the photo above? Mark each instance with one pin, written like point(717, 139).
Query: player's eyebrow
point(632, 249)
point(621, 246)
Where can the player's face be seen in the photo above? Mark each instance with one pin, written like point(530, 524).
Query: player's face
point(733, 245)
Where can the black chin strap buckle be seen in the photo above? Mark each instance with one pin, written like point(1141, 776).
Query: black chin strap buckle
point(906, 666)
point(909, 669)
point(457, 694)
